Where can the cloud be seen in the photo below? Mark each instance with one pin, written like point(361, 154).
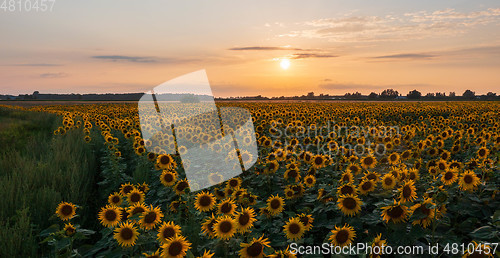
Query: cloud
point(265, 48)
point(406, 56)
point(134, 59)
point(311, 55)
point(408, 26)
point(53, 75)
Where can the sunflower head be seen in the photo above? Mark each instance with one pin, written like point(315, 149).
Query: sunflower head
point(275, 205)
point(227, 206)
point(204, 201)
point(126, 234)
point(342, 236)
point(255, 248)
point(175, 247)
point(168, 230)
point(110, 216)
point(349, 204)
point(69, 229)
point(168, 177)
point(225, 227)
point(408, 192)
point(150, 217)
point(135, 196)
point(294, 229)
point(115, 199)
point(469, 181)
point(395, 212)
point(66, 210)
point(245, 219)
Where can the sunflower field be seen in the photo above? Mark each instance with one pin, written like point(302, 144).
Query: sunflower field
point(383, 173)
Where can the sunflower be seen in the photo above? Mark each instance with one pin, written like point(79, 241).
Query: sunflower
point(245, 219)
point(205, 201)
point(346, 177)
point(394, 158)
point(408, 192)
point(373, 176)
point(150, 217)
point(449, 176)
point(207, 226)
point(110, 216)
point(206, 254)
point(380, 243)
point(388, 181)
point(168, 178)
point(126, 234)
point(289, 193)
point(126, 188)
point(294, 229)
point(225, 227)
point(433, 171)
point(349, 204)
point(353, 168)
point(310, 180)
point(347, 189)
point(137, 208)
point(165, 161)
point(292, 173)
point(423, 213)
point(366, 186)
point(283, 254)
point(368, 162)
point(168, 230)
point(342, 236)
point(155, 254)
point(135, 196)
point(69, 229)
point(175, 247)
point(181, 186)
point(255, 248)
point(318, 161)
point(307, 220)
point(413, 174)
point(115, 199)
point(394, 212)
point(227, 207)
point(468, 181)
point(275, 205)
point(442, 165)
point(66, 210)
point(483, 152)
point(234, 182)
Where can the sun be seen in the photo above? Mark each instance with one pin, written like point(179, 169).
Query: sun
point(285, 63)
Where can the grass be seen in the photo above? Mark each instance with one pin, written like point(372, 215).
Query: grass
point(38, 172)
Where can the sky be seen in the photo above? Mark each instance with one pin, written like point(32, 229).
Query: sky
point(333, 47)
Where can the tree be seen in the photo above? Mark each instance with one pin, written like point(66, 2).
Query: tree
point(469, 94)
point(414, 94)
point(389, 93)
point(452, 94)
point(373, 95)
